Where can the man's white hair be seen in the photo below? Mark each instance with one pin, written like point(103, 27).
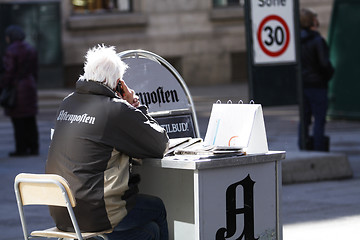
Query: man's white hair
point(103, 65)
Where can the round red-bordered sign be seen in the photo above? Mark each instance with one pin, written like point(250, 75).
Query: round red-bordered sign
point(260, 40)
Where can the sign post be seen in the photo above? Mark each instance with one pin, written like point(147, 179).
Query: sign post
point(272, 40)
point(274, 54)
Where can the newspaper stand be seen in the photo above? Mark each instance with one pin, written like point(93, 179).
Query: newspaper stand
point(162, 89)
point(206, 197)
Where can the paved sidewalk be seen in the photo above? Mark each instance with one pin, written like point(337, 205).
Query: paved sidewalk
point(315, 210)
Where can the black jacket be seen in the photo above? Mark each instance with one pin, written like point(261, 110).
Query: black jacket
point(95, 136)
point(316, 67)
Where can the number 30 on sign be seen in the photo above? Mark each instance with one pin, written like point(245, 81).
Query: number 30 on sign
point(273, 35)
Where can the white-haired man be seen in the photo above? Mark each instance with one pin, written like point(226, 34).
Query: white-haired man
point(99, 129)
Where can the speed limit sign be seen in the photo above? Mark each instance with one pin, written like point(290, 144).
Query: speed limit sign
point(273, 31)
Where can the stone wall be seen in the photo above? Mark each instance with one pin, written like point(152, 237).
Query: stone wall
point(201, 39)
point(206, 45)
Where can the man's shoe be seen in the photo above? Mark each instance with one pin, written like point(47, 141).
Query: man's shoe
point(17, 154)
point(34, 152)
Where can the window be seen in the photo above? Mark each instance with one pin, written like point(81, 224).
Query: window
point(227, 10)
point(228, 3)
point(92, 14)
point(99, 6)
point(239, 67)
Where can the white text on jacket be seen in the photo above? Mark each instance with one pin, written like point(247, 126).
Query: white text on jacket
point(83, 118)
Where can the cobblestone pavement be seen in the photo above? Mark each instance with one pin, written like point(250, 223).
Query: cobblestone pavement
point(311, 211)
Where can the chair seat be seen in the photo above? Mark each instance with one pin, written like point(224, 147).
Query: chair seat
point(56, 233)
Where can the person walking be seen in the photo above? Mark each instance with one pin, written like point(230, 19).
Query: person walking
point(316, 71)
point(20, 71)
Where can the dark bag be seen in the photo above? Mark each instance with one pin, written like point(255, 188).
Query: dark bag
point(8, 97)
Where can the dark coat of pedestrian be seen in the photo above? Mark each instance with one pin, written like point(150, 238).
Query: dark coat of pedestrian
point(21, 70)
point(317, 69)
point(316, 72)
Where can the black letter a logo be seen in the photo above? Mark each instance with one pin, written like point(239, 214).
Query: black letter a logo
point(232, 211)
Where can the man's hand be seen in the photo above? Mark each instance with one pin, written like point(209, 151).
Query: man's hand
point(129, 95)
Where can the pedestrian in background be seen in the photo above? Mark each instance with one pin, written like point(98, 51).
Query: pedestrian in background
point(316, 71)
point(20, 71)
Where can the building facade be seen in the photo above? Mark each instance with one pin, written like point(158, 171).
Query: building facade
point(205, 40)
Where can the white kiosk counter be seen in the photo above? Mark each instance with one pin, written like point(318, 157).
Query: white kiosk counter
point(206, 197)
point(229, 197)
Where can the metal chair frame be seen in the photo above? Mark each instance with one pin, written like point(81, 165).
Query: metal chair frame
point(51, 190)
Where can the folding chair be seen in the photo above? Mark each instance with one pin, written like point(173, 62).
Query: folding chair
point(53, 190)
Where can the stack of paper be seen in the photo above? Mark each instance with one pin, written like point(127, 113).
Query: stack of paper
point(195, 146)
